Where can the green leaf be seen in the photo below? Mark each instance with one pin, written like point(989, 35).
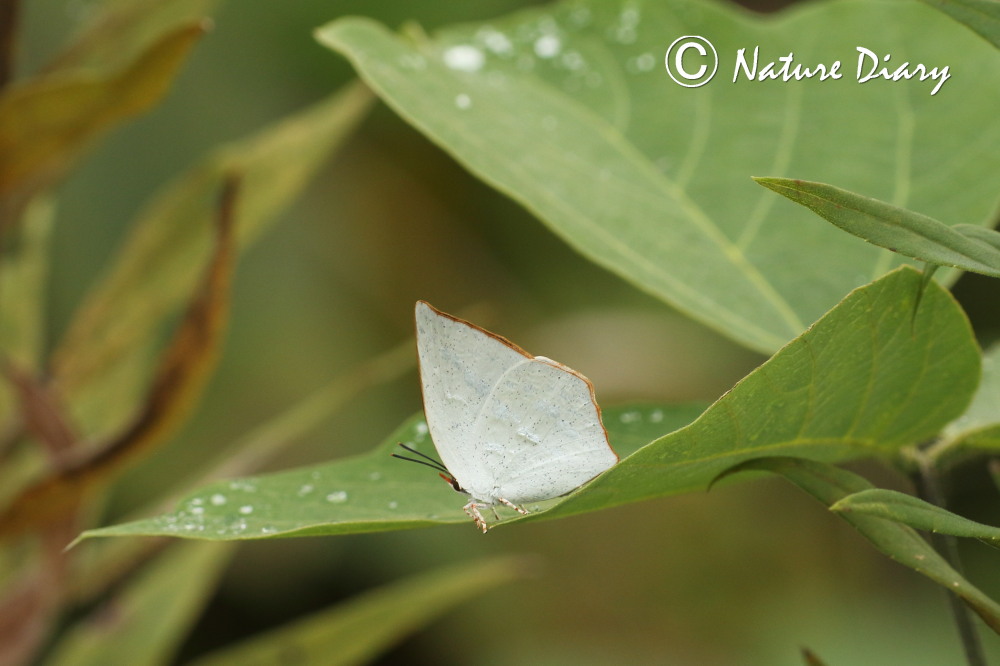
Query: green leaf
point(894, 228)
point(983, 235)
point(979, 426)
point(830, 484)
point(24, 268)
point(113, 558)
point(146, 622)
point(982, 16)
point(358, 630)
point(915, 512)
point(866, 379)
point(568, 110)
point(181, 372)
point(371, 492)
point(158, 265)
point(47, 122)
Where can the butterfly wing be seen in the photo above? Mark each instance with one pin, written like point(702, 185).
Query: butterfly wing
point(506, 424)
point(541, 431)
point(459, 365)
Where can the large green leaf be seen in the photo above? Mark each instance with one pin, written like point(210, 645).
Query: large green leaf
point(568, 110)
point(830, 484)
point(362, 628)
point(149, 617)
point(869, 377)
point(967, 247)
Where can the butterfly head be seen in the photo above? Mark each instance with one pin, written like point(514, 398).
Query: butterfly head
point(453, 482)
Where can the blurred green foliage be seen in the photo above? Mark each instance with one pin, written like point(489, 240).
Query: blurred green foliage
point(745, 574)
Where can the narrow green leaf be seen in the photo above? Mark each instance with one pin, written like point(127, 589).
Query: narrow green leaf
point(866, 379)
point(158, 265)
point(830, 484)
point(984, 235)
point(358, 630)
point(568, 110)
point(982, 16)
point(146, 622)
point(979, 426)
point(891, 227)
point(915, 512)
point(24, 268)
point(46, 123)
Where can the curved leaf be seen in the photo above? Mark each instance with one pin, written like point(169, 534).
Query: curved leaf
point(860, 381)
point(567, 109)
point(895, 228)
point(830, 484)
point(915, 512)
point(866, 379)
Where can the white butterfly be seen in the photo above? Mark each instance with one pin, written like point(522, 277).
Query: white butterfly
point(510, 427)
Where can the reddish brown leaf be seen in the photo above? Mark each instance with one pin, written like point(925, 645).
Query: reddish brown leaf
point(183, 369)
point(42, 415)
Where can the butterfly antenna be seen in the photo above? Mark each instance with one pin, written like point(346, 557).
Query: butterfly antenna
point(433, 464)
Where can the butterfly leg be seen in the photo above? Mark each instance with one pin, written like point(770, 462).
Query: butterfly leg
point(472, 510)
point(517, 508)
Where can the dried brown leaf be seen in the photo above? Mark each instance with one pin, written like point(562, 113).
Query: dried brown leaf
point(183, 369)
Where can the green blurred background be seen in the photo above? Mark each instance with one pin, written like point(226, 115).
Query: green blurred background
point(745, 574)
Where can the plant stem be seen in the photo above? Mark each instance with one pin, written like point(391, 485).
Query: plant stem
point(8, 29)
point(928, 483)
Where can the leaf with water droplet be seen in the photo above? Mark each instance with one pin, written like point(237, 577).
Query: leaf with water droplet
point(675, 211)
point(371, 492)
point(865, 380)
